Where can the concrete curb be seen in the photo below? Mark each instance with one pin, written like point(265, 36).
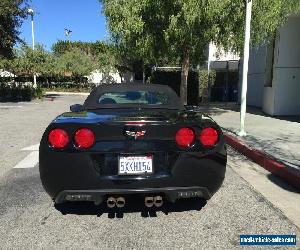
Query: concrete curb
point(66, 93)
point(271, 164)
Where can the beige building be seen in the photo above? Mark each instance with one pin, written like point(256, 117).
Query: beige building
point(274, 72)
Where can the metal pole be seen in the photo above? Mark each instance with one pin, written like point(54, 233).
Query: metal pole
point(245, 68)
point(208, 71)
point(227, 82)
point(32, 31)
point(208, 59)
point(31, 12)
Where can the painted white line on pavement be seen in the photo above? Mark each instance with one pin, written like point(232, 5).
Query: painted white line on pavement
point(29, 103)
point(5, 107)
point(29, 161)
point(32, 148)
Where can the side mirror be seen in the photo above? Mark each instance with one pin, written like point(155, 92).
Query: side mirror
point(76, 108)
point(189, 107)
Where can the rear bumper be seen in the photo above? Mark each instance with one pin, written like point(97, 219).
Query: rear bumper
point(171, 193)
point(69, 173)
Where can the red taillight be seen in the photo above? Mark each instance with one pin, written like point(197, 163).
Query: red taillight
point(84, 138)
point(209, 137)
point(58, 138)
point(185, 137)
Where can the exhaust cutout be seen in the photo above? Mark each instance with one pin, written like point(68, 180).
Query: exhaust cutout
point(158, 201)
point(149, 201)
point(120, 202)
point(111, 202)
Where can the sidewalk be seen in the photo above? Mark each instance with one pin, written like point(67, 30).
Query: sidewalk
point(277, 137)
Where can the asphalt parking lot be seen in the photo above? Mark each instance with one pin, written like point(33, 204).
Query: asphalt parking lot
point(29, 220)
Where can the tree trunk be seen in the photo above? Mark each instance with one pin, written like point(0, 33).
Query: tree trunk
point(48, 84)
point(184, 76)
point(143, 73)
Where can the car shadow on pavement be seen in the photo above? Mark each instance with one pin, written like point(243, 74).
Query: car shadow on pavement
point(239, 157)
point(281, 183)
point(51, 97)
point(134, 205)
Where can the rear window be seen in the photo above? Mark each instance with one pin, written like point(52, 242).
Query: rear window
point(134, 97)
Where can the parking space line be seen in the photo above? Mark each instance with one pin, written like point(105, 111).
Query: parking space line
point(6, 107)
point(31, 148)
point(29, 161)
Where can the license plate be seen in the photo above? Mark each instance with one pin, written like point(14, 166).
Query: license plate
point(134, 165)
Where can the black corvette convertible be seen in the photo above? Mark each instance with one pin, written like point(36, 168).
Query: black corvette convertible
point(132, 139)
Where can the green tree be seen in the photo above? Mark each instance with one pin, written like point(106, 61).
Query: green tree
point(90, 48)
point(12, 13)
point(75, 63)
point(27, 61)
point(104, 55)
point(178, 31)
point(70, 62)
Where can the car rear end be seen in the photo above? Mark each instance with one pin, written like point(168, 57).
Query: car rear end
point(104, 157)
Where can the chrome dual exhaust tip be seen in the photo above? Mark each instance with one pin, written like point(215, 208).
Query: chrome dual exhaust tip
point(156, 201)
point(111, 202)
point(118, 202)
point(149, 201)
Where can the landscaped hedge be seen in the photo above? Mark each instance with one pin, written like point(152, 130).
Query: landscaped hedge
point(18, 92)
point(68, 86)
point(63, 82)
point(19, 88)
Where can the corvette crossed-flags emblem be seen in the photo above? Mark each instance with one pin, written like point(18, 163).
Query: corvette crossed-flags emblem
point(135, 134)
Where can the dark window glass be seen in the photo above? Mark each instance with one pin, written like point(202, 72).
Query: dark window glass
point(134, 97)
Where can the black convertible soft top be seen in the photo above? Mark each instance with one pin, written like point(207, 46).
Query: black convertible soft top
point(92, 101)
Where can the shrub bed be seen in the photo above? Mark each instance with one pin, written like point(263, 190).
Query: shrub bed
point(68, 87)
point(15, 92)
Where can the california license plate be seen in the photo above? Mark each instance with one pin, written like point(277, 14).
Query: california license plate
point(135, 165)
